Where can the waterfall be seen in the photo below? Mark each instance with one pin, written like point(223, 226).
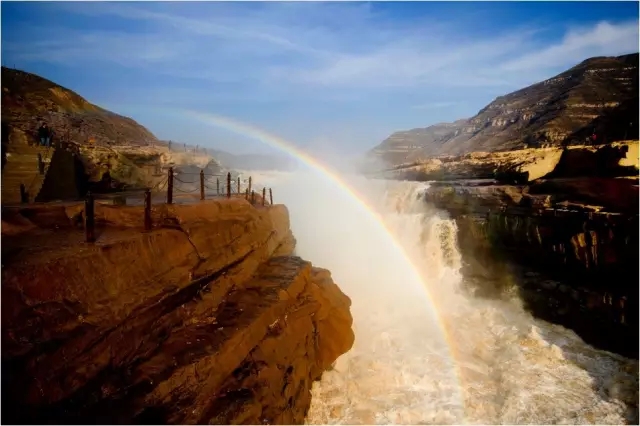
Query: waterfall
point(426, 351)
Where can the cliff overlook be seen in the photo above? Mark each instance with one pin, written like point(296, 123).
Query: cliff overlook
point(206, 318)
point(598, 95)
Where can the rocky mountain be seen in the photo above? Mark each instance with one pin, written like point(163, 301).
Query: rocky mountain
point(28, 99)
point(598, 95)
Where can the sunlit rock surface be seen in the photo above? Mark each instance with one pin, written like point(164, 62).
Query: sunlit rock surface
point(207, 318)
point(597, 95)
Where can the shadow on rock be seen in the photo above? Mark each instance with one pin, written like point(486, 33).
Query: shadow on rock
point(600, 305)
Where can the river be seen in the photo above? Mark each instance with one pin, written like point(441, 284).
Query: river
point(426, 351)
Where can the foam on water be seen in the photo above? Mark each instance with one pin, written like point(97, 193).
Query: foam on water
point(494, 363)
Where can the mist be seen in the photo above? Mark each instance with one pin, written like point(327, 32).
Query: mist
point(425, 350)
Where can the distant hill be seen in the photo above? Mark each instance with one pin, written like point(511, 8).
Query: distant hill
point(252, 161)
point(229, 161)
point(28, 99)
point(599, 94)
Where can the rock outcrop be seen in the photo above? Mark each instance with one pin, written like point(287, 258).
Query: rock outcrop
point(115, 151)
point(619, 159)
point(28, 99)
point(207, 318)
point(598, 95)
point(578, 270)
point(569, 246)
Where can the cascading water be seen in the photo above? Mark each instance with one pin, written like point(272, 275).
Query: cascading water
point(471, 360)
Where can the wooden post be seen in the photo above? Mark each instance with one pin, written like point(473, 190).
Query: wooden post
point(40, 164)
point(147, 210)
point(218, 186)
point(89, 219)
point(24, 197)
point(253, 197)
point(246, 194)
point(170, 186)
point(249, 183)
point(229, 185)
point(238, 185)
point(201, 184)
point(270, 196)
point(264, 195)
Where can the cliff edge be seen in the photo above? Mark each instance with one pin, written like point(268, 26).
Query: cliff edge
point(207, 318)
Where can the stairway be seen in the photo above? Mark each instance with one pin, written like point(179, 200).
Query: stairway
point(22, 168)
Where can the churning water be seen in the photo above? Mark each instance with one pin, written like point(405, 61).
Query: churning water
point(427, 352)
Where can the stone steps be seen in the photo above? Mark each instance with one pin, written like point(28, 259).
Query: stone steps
point(22, 168)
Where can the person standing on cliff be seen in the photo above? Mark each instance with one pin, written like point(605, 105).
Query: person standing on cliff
point(44, 134)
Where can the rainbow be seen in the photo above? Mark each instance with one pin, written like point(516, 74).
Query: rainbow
point(289, 148)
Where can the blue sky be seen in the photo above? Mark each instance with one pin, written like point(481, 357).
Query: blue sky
point(335, 76)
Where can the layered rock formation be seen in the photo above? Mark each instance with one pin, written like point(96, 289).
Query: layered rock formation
point(567, 240)
point(578, 270)
point(618, 159)
point(598, 95)
point(207, 318)
point(540, 207)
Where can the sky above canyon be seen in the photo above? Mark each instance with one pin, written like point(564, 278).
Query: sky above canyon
point(335, 76)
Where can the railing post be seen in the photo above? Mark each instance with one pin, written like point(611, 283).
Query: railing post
point(201, 184)
point(40, 164)
point(218, 186)
point(239, 185)
point(249, 183)
point(229, 185)
point(147, 210)
point(24, 197)
point(253, 197)
point(170, 186)
point(270, 196)
point(264, 195)
point(89, 219)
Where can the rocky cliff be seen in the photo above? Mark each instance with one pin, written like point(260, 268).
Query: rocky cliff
point(577, 270)
point(207, 318)
point(599, 94)
point(615, 160)
point(568, 246)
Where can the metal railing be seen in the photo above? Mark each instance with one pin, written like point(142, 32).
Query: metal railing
point(226, 188)
point(169, 183)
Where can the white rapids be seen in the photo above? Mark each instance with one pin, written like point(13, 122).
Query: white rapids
point(425, 351)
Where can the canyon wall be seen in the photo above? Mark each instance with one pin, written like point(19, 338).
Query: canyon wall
point(525, 165)
point(207, 318)
point(597, 96)
point(576, 267)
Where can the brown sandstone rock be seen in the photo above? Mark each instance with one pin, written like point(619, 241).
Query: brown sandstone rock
point(206, 318)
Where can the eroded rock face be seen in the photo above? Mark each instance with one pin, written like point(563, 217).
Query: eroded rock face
point(600, 94)
point(207, 318)
point(526, 165)
point(581, 273)
point(568, 262)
